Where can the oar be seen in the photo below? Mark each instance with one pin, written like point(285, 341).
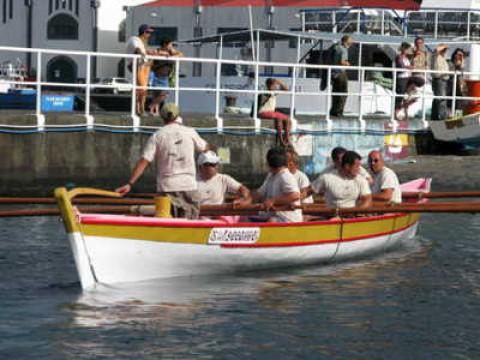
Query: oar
point(81, 200)
point(54, 211)
point(440, 194)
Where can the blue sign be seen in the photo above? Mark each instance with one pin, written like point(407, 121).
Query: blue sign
point(57, 102)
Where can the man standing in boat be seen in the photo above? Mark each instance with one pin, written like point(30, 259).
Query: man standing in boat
point(386, 186)
point(212, 186)
point(345, 188)
point(279, 188)
point(173, 149)
point(339, 76)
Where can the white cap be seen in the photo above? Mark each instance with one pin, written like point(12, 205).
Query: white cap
point(207, 157)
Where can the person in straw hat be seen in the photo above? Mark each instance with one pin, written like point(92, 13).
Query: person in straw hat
point(440, 82)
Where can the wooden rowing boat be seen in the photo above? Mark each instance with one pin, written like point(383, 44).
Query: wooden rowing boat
point(122, 248)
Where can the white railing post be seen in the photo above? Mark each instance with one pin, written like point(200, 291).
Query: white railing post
point(468, 25)
point(88, 117)
point(393, 121)
point(424, 103)
point(329, 99)
point(382, 31)
point(217, 89)
point(362, 122)
point(454, 92)
point(38, 109)
point(255, 103)
point(292, 100)
point(358, 21)
point(177, 81)
point(435, 29)
point(133, 113)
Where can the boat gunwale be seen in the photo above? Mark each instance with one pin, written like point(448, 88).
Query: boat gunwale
point(99, 219)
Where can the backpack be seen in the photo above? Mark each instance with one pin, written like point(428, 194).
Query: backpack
point(327, 58)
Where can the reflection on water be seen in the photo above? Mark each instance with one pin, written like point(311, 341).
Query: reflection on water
point(418, 302)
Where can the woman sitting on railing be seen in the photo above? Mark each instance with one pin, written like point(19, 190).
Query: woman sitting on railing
point(267, 109)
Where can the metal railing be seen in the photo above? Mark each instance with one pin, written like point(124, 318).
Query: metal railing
point(428, 22)
point(294, 93)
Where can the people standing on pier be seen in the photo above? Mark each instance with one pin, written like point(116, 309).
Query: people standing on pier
point(345, 187)
point(339, 76)
point(163, 73)
point(139, 45)
point(279, 188)
point(402, 61)
point(386, 186)
point(213, 186)
point(440, 82)
point(302, 179)
point(458, 66)
point(420, 60)
point(173, 149)
point(267, 109)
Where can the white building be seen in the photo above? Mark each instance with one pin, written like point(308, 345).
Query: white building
point(90, 25)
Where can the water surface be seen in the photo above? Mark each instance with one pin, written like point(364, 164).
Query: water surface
point(420, 302)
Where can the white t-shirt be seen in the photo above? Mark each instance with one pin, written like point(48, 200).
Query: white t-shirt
point(387, 179)
point(341, 192)
point(173, 148)
point(213, 191)
point(303, 182)
point(136, 43)
point(280, 184)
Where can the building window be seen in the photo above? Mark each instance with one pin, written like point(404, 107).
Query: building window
point(50, 7)
point(121, 68)
point(122, 31)
point(161, 33)
point(62, 27)
point(10, 12)
point(223, 30)
point(293, 42)
point(62, 69)
point(4, 17)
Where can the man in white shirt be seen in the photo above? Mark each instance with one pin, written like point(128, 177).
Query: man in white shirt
point(386, 186)
point(173, 149)
point(345, 188)
point(138, 45)
point(212, 186)
point(302, 179)
point(337, 155)
point(279, 188)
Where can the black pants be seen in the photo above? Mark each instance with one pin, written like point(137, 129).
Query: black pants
point(439, 106)
point(339, 85)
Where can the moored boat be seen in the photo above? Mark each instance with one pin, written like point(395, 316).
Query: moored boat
point(122, 248)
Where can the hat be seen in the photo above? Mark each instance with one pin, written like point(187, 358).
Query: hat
point(145, 28)
point(207, 157)
point(169, 111)
point(441, 47)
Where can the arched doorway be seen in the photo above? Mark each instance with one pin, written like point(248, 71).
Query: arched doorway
point(62, 69)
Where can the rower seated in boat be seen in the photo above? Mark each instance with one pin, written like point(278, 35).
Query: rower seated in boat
point(345, 188)
point(279, 188)
point(302, 179)
point(386, 186)
point(336, 158)
point(213, 186)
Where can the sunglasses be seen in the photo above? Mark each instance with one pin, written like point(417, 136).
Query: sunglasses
point(209, 164)
point(373, 160)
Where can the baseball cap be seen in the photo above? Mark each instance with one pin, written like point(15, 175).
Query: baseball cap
point(144, 28)
point(169, 111)
point(207, 157)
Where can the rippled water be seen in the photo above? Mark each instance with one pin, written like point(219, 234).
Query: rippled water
point(421, 302)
